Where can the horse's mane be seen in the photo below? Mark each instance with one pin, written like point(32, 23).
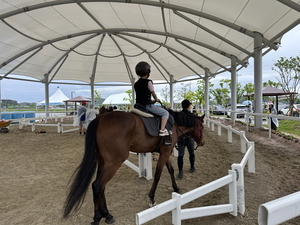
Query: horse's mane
point(183, 119)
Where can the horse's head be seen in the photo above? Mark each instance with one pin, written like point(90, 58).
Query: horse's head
point(197, 132)
point(102, 110)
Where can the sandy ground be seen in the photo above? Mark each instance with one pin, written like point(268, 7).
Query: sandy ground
point(35, 170)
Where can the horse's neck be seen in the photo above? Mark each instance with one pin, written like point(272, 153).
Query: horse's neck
point(183, 129)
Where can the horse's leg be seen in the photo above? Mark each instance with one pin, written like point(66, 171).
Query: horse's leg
point(171, 172)
point(163, 157)
point(100, 207)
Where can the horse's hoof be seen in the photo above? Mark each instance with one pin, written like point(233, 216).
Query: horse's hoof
point(110, 220)
point(152, 204)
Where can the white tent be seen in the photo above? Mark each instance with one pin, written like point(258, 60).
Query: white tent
point(118, 99)
point(57, 98)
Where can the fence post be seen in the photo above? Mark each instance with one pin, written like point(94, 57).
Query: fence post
point(208, 123)
point(21, 124)
point(229, 129)
point(175, 152)
point(59, 128)
point(219, 128)
point(240, 187)
point(145, 165)
point(212, 126)
point(251, 160)
point(233, 192)
point(270, 130)
point(176, 213)
point(243, 141)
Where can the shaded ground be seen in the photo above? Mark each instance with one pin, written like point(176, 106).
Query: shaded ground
point(35, 170)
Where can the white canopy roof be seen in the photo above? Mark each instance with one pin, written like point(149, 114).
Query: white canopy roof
point(122, 99)
point(57, 98)
point(95, 41)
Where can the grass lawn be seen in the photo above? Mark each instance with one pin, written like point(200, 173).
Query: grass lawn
point(290, 126)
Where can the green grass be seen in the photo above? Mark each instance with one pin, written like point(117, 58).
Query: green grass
point(289, 126)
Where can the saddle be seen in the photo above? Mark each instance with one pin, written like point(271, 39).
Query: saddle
point(151, 121)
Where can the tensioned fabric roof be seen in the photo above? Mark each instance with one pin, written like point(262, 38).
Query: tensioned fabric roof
point(102, 41)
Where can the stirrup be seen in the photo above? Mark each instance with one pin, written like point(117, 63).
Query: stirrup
point(167, 140)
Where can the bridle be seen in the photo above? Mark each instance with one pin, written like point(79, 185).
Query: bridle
point(199, 130)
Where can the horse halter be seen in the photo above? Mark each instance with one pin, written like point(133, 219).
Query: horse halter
point(200, 132)
point(196, 139)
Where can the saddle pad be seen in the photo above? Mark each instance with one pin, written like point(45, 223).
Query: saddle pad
point(141, 113)
point(152, 124)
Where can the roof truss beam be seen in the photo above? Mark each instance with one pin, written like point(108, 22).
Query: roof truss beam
point(148, 53)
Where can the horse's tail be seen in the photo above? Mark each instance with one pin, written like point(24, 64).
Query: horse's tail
point(84, 172)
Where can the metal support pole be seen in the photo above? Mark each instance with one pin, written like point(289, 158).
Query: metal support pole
point(233, 88)
point(206, 107)
point(47, 94)
point(171, 92)
point(257, 79)
point(133, 93)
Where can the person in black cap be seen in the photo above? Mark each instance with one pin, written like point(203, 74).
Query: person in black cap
point(185, 141)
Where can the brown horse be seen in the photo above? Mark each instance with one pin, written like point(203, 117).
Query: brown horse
point(109, 139)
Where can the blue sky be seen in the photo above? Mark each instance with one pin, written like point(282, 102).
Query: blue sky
point(24, 91)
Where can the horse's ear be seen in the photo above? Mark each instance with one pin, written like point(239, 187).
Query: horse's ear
point(202, 117)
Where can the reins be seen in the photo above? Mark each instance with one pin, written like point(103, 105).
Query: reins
point(189, 136)
point(185, 135)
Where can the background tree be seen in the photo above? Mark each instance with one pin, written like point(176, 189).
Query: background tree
point(129, 93)
point(185, 88)
point(289, 73)
point(239, 89)
point(221, 94)
point(271, 84)
point(165, 94)
point(200, 92)
point(249, 89)
point(97, 97)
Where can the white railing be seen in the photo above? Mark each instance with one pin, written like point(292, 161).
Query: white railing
point(39, 121)
point(235, 180)
point(178, 201)
point(279, 210)
point(268, 116)
point(145, 165)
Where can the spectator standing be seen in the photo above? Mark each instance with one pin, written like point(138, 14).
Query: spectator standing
point(80, 119)
point(274, 121)
point(248, 110)
point(91, 114)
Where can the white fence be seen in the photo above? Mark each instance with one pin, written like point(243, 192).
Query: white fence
point(43, 122)
point(145, 165)
point(268, 117)
point(235, 180)
point(279, 210)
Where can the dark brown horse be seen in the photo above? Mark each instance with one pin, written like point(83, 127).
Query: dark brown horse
point(109, 139)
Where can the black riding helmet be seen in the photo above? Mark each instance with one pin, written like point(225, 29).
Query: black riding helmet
point(142, 68)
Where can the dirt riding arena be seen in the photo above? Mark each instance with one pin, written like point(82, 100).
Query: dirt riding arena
point(35, 170)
